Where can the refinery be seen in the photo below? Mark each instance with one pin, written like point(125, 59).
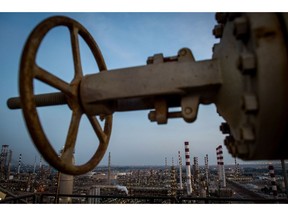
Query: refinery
point(264, 182)
point(245, 79)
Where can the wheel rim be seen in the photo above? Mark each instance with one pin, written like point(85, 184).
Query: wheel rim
point(29, 71)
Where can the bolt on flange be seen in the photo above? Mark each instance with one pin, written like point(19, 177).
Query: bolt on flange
point(218, 30)
point(247, 63)
point(241, 28)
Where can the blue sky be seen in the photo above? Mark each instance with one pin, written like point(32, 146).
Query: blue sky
point(125, 39)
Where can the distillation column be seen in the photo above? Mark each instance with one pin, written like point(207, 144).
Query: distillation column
point(188, 169)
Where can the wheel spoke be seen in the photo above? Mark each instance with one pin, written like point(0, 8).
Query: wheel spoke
point(97, 128)
point(52, 80)
point(71, 136)
point(76, 52)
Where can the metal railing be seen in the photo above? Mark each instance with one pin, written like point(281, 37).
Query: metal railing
point(42, 198)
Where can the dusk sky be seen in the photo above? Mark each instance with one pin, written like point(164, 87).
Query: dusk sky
point(125, 39)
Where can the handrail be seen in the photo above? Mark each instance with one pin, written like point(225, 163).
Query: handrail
point(20, 198)
point(179, 199)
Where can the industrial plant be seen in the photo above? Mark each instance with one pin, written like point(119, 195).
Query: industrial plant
point(171, 183)
point(245, 79)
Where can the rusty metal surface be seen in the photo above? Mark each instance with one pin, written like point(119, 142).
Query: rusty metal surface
point(50, 99)
point(253, 98)
point(29, 71)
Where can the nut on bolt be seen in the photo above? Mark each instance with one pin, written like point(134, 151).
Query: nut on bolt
point(221, 17)
point(224, 128)
point(152, 116)
point(182, 52)
point(218, 31)
point(247, 63)
point(250, 103)
point(241, 27)
point(247, 133)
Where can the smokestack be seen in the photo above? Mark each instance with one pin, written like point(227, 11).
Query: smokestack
point(34, 168)
point(196, 172)
point(9, 164)
point(221, 169)
point(19, 163)
point(237, 171)
point(188, 169)
point(180, 170)
point(206, 169)
point(166, 167)
point(173, 183)
point(109, 168)
point(273, 179)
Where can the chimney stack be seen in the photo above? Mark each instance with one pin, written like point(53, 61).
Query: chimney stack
point(188, 169)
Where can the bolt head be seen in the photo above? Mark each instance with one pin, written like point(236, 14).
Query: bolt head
point(241, 27)
point(224, 128)
point(152, 116)
point(250, 103)
point(188, 110)
point(247, 133)
point(218, 31)
point(182, 52)
point(247, 63)
point(221, 17)
point(149, 60)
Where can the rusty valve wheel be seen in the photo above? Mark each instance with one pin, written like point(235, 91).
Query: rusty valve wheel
point(29, 71)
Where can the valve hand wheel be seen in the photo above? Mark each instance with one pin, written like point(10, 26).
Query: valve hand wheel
point(29, 71)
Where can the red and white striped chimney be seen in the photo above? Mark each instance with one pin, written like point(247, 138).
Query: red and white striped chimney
point(221, 169)
point(188, 169)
